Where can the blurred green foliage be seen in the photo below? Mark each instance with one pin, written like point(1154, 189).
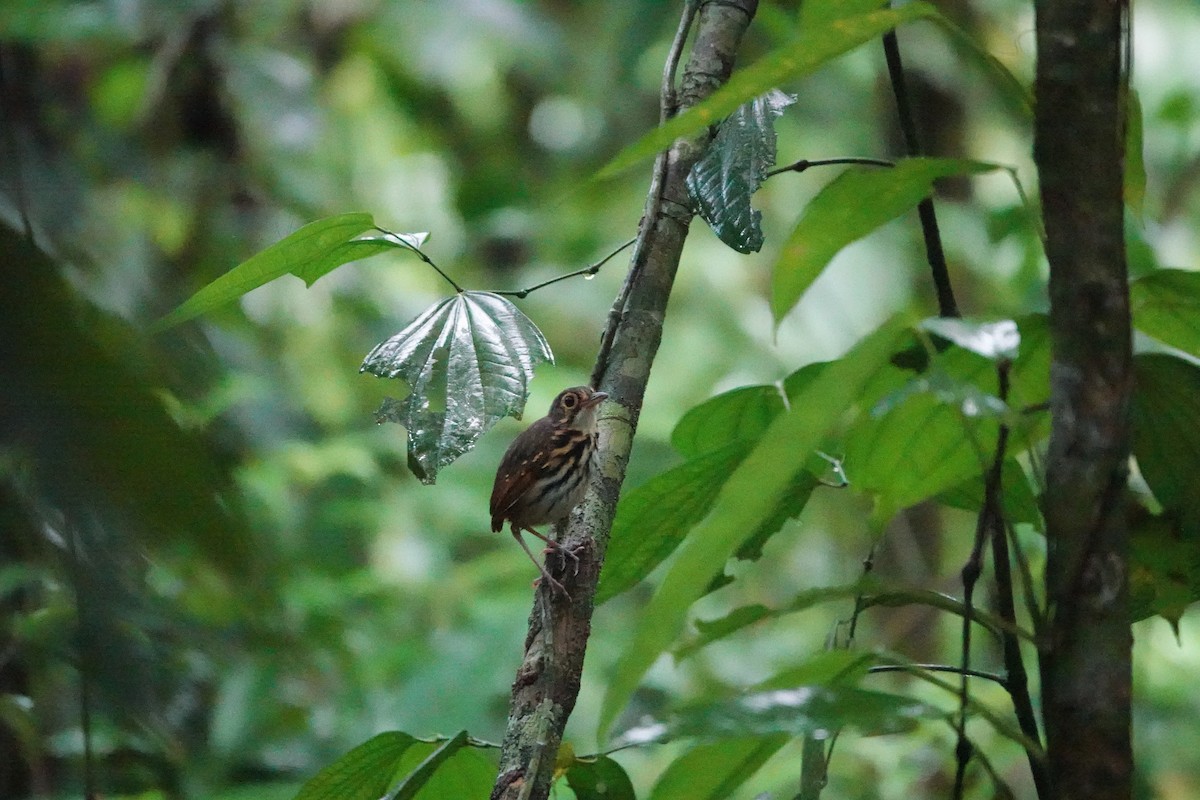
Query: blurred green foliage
point(203, 532)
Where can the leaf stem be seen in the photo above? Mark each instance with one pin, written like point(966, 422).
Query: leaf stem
point(400, 241)
point(589, 270)
point(804, 163)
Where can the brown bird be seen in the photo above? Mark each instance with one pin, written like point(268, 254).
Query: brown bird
point(544, 472)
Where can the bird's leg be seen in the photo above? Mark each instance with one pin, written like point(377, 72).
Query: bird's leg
point(554, 584)
point(551, 544)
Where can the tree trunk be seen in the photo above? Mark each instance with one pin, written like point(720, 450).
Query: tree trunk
point(1078, 146)
point(547, 681)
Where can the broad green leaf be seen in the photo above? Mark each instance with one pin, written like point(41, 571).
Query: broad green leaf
point(418, 778)
point(797, 711)
point(735, 164)
point(669, 504)
point(468, 361)
point(737, 415)
point(992, 340)
point(362, 774)
point(1164, 573)
point(599, 778)
point(1166, 430)
point(747, 498)
point(713, 771)
point(1135, 164)
point(811, 49)
point(852, 205)
point(939, 431)
point(673, 502)
point(1166, 305)
point(308, 253)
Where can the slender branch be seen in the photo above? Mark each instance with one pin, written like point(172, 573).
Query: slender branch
point(804, 163)
point(947, 306)
point(547, 682)
point(400, 241)
point(588, 270)
point(908, 668)
point(989, 523)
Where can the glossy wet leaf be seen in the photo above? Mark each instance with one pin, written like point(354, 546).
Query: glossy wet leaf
point(468, 361)
point(722, 183)
point(1166, 305)
point(746, 499)
point(812, 48)
point(599, 778)
point(714, 771)
point(848, 208)
point(362, 774)
point(1166, 429)
point(992, 340)
point(312, 251)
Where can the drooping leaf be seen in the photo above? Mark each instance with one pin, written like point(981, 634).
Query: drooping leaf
point(812, 48)
point(1166, 305)
point(749, 496)
point(416, 780)
point(735, 164)
point(362, 774)
point(599, 778)
point(713, 771)
point(852, 205)
point(468, 361)
point(1013, 91)
point(314, 250)
point(992, 340)
point(1166, 429)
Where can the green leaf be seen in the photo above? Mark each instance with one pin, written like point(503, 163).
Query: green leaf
point(714, 771)
point(939, 430)
point(739, 415)
point(468, 361)
point(669, 504)
point(599, 778)
point(1164, 574)
point(308, 253)
point(811, 49)
point(416, 780)
point(796, 711)
point(735, 164)
point(1166, 429)
point(1012, 91)
point(1019, 501)
point(814, 13)
point(750, 494)
point(1166, 305)
point(1135, 164)
point(362, 774)
point(992, 340)
point(852, 205)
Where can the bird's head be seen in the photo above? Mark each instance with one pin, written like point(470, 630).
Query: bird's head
point(576, 407)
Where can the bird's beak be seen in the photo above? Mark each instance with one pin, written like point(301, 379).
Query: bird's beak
point(597, 398)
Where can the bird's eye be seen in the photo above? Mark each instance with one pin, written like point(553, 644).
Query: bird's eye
point(569, 401)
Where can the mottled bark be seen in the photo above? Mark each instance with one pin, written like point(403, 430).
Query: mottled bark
point(1078, 146)
point(547, 681)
